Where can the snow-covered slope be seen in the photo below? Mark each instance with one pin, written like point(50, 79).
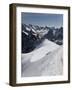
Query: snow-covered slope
point(44, 48)
point(46, 59)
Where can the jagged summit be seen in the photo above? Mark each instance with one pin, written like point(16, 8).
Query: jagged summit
point(33, 35)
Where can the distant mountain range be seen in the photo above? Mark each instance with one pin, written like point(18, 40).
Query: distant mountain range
point(33, 35)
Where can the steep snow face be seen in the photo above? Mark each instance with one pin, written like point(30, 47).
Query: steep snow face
point(46, 59)
point(44, 48)
point(41, 50)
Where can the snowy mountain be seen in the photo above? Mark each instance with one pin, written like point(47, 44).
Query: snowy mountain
point(45, 59)
point(42, 53)
point(33, 35)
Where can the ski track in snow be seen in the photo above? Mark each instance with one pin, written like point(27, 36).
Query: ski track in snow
point(45, 60)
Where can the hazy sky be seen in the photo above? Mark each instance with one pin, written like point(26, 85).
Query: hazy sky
point(52, 20)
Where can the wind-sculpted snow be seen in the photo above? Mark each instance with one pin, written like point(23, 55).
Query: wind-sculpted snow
point(45, 60)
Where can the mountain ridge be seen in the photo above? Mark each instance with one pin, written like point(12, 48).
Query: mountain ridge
point(33, 35)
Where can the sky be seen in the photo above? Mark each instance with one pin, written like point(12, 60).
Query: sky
point(41, 19)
